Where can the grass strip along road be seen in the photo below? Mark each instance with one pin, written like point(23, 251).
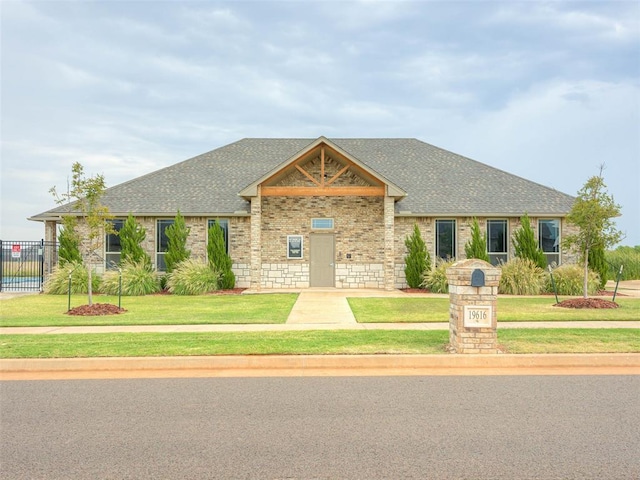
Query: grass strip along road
point(308, 343)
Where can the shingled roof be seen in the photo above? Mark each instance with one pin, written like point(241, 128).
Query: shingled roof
point(437, 182)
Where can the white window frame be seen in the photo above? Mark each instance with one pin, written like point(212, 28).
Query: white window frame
point(301, 256)
point(315, 227)
point(500, 255)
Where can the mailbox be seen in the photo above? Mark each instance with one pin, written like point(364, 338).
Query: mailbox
point(477, 278)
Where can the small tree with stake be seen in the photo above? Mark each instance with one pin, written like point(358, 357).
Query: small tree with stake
point(593, 213)
point(86, 193)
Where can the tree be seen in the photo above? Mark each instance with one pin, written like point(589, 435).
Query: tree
point(219, 259)
point(477, 246)
point(177, 243)
point(132, 235)
point(526, 245)
point(593, 213)
point(69, 249)
point(417, 262)
point(86, 193)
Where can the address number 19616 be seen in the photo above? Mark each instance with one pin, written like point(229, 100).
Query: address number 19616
point(477, 316)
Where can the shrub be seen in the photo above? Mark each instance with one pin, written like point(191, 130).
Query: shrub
point(526, 245)
point(629, 257)
point(219, 259)
point(69, 250)
point(137, 279)
point(58, 282)
point(417, 262)
point(521, 276)
point(131, 236)
point(436, 279)
point(477, 246)
point(177, 243)
point(598, 264)
point(192, 277)
point(569, 280)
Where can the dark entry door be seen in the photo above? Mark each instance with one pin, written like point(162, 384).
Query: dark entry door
point(322, 254)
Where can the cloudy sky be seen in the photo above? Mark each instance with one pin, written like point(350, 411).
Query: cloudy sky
point(545, 90)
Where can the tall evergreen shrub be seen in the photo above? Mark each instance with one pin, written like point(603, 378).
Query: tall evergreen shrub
point(132, 235)
point(69, 249)
point(477, 246)
point(598, 264)
point(177, 243)
point(219, 259)
point(526, 245)
point(417, 262)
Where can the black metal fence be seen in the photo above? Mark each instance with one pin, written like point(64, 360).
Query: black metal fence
point(25, 264)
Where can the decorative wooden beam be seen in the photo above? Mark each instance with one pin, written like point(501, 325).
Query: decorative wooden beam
point(337, 175)
point(323, 191)
point(322, 165)
point(307, 174)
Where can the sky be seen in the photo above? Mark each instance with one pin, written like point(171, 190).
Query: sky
point(548, 91)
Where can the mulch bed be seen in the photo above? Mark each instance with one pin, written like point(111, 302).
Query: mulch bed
point(95, 310)
point(414, 290)
point(587, 303)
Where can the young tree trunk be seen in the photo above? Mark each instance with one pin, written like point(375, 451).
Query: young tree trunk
point(586, 274)
point(90, 282)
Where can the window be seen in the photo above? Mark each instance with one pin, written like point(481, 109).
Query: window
point(294, 246)
point(162, 243)
point(549, 240)
point(322, 223)
point(497, 241)
point(112, 246)
point(224, 224)
point(446, 239)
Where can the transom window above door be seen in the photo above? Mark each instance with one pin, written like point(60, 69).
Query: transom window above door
point(322, 223)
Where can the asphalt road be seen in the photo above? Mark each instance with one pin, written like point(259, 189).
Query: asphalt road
point(540, 427)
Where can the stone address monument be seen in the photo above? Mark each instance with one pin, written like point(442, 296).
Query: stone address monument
point(473, 293)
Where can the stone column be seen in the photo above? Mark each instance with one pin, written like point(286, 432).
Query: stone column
point(50, 251)
point(389, 243)
point(256, 242)
point(473, 293)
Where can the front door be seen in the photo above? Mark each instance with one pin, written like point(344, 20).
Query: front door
point(321, 252)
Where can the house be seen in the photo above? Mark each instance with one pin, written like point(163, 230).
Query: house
point(303, 213)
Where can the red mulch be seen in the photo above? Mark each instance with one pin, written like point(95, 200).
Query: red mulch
point(96, 309)
point(587, 303)
point(414, 290)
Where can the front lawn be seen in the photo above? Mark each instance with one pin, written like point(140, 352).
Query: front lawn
point(49, 310)
point(308, 343)
point(510, 309)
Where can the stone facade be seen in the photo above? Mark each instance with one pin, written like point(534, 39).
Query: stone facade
point(369, 240)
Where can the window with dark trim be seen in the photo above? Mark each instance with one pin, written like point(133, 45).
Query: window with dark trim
point(162, 243)
point(112, 246)
point(549, 240)
point(446, 239)
point(497, 241)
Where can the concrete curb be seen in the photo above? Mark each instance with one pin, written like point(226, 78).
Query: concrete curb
point(320, 365)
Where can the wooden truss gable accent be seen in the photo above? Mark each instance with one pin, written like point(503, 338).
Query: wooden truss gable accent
point(323, 172)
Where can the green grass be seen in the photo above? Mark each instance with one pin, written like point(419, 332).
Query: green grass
point(510, 309)
point(308, 342)
point(49, 310)
point(570, 340)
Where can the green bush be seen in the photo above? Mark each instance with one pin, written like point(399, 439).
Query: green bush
point(521, 276)
point(176, 243)
point(598, 264)
point(58, 282)
point(192, 277)
point(436, 279)
point(526, 245)
point(137, 279)
point(69, 249)
point(629, 257)
point(569, 280)
point(132, 234)
point(219, 259)
point(417, 262)
point(477, 246)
